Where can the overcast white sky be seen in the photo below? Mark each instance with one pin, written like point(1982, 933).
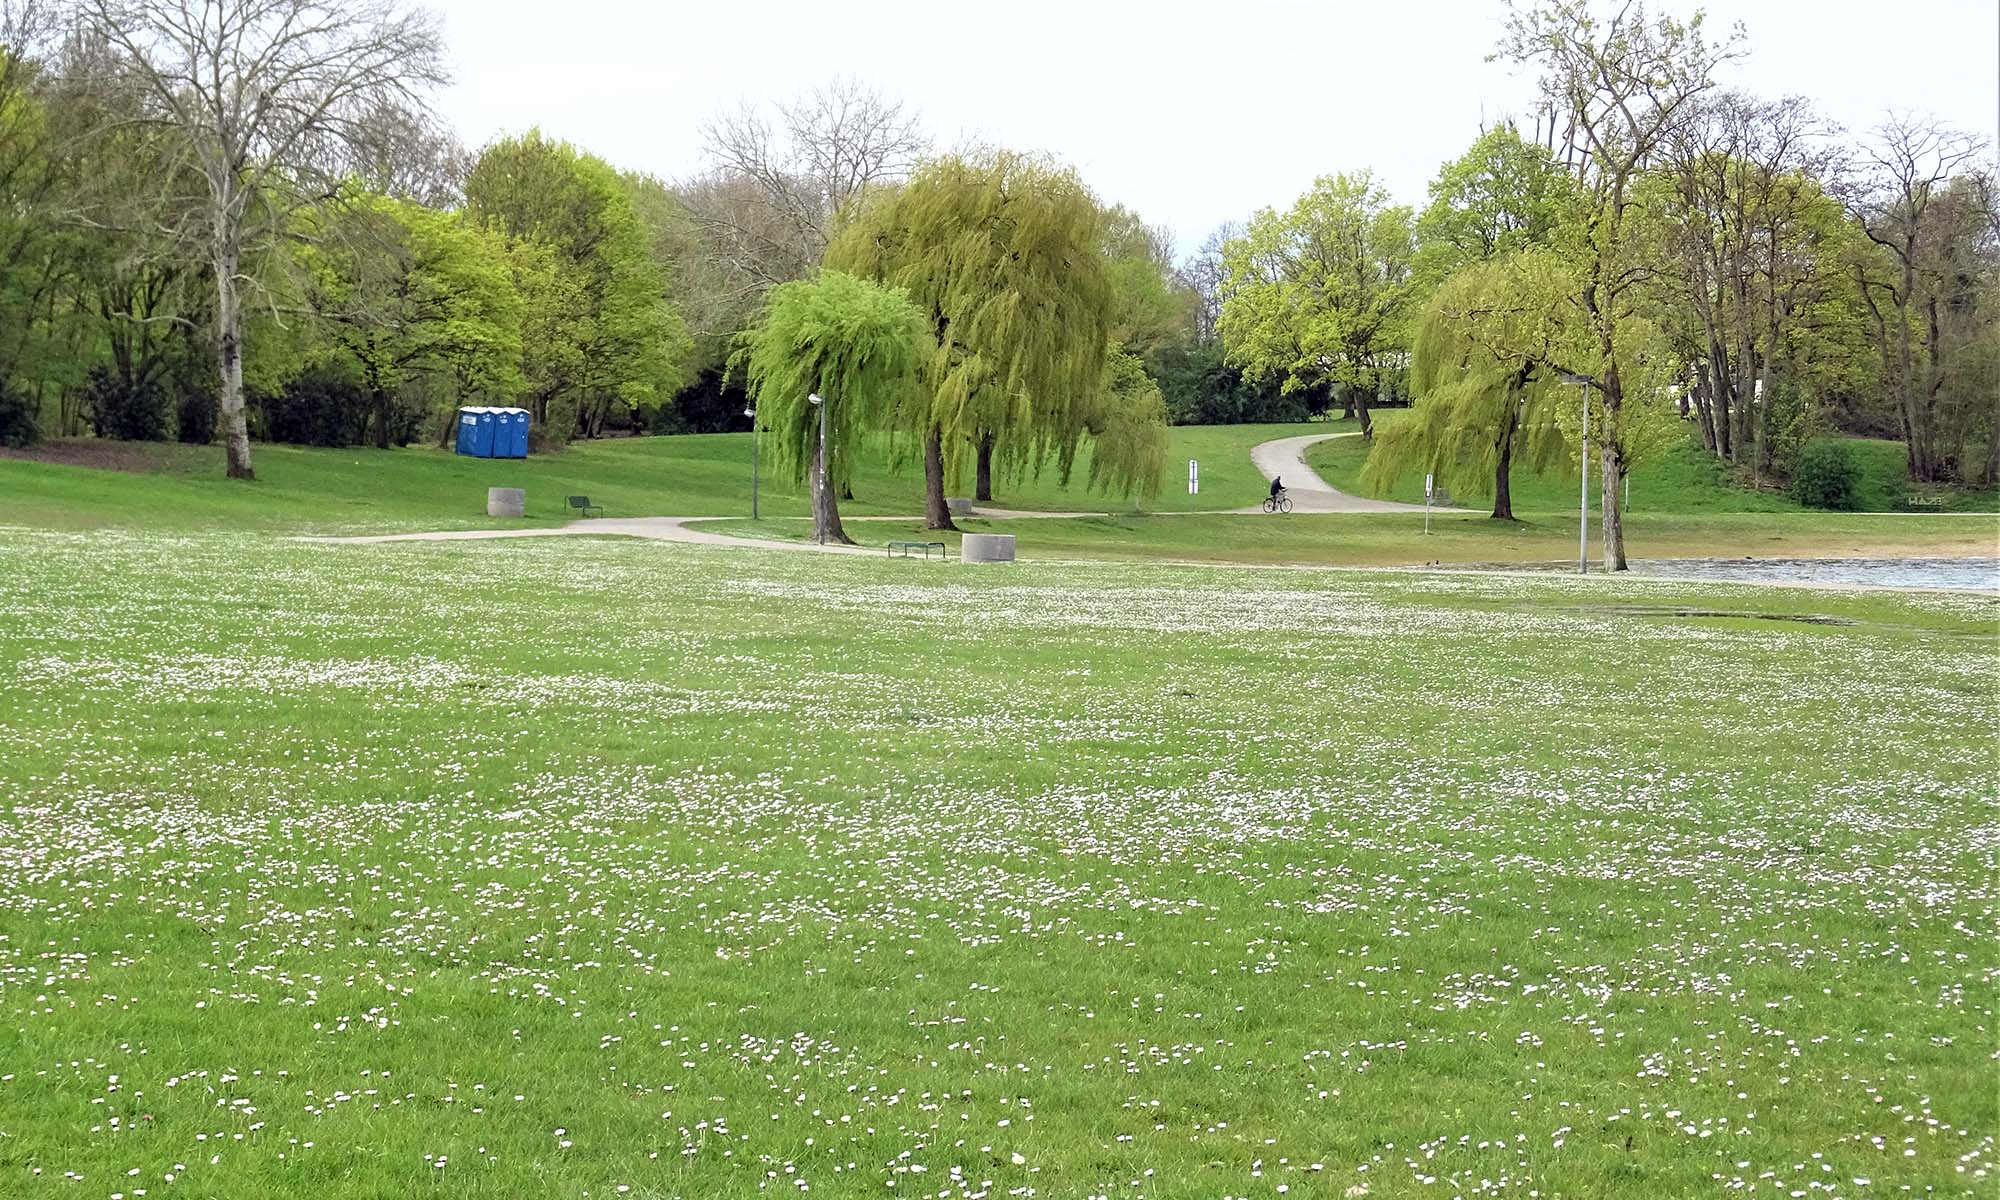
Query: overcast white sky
point(1191, 113)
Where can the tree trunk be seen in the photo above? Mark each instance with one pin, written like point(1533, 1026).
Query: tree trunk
point(1613, 460)
point(937, 514)
point(1367, 422)
point(1725, 427)
point(1503, 457)
point(229, 365)
point(1944, 457)
point(826, 510)
point(983, 473)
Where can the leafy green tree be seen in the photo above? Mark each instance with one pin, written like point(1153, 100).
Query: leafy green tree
point(410, 291)
point(598, 327)
point(1485, 329)
point(1621, 84)
point(1003, 255)
point(1502, 195)
point(856, 347)
point(1151, 308)
point(1128, 430)
point(1315, 296)
point(1484, 378)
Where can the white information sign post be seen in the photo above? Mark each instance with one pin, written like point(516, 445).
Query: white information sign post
point(1430, 489)
point(1194, 478)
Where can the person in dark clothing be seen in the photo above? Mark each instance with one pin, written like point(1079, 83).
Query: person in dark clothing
point(1277, 487)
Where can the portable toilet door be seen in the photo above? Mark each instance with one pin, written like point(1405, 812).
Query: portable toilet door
point(517, 433)
point(468, 430)
point(489, 424)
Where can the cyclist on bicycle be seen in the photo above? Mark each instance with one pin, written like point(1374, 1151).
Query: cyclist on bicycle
point(1277, 486)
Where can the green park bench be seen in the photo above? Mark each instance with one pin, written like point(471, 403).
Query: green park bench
point(582, 504)
point(909, 549)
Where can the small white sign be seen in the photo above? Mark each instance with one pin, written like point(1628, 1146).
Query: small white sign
point(1194, 478)
point(1429, 490)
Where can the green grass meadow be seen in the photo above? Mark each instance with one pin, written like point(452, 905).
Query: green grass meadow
point(364, 490)
point(1682, 507)
point(592, 867)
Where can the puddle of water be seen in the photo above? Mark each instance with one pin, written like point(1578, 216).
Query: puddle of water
point(1675, 610)
point(1955, 574)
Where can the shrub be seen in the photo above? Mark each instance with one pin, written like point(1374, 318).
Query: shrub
point(18, 426)
point(1825, 475)
point(196, 420)
point(324, 406)
point(123, 410)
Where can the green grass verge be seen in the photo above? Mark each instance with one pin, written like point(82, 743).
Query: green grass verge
point(567, 868)
point(1686, 479)
point(1391, 539)
point(420, 487)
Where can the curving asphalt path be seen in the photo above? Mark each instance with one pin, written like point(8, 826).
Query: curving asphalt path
point(1286, 459)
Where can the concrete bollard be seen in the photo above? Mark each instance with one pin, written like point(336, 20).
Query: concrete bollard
point(986, 547)
point(506, 502)
point(958, 506)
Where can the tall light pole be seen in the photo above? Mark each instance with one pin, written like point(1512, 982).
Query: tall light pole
point(1583, 465)
point(752, 414)
point(820, 404)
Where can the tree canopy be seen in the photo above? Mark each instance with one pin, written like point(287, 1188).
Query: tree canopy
point(1003, 255)
point(853, 344)
point(1317, 295)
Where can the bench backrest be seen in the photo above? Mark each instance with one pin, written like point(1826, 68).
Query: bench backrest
point(579, 502)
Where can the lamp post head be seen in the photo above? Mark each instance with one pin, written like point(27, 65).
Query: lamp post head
point(751, 413)
point(1577, 379)
point(815, 398)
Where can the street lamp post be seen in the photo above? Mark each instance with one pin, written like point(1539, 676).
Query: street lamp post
point(1583, 465)
point(818, 527)
point(752, 414)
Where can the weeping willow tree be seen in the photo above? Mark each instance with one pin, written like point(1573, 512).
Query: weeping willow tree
point(1128, 430)
point(855, 345)
point(1001, 253)
point(1484, 381)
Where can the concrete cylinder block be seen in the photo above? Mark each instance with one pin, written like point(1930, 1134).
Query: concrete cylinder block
point(506, 502)
point(987, 547)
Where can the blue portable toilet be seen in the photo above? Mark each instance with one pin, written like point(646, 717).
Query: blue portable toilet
point(482, 438)
point(485, 432)
point(517, 433)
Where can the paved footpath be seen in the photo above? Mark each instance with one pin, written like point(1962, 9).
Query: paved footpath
point(1284, 457)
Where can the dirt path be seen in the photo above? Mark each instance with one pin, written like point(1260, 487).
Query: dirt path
point(1286, 459)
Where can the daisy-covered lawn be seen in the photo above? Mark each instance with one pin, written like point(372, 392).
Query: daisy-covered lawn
point(575, 867)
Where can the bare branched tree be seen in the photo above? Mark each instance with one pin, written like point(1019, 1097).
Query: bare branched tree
point(1906, 203)
point(1743, 220)
point(1203, 275)
point(270, 103)
point(775, 187)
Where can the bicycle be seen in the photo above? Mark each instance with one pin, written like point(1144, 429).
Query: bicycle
point(1280, 503)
